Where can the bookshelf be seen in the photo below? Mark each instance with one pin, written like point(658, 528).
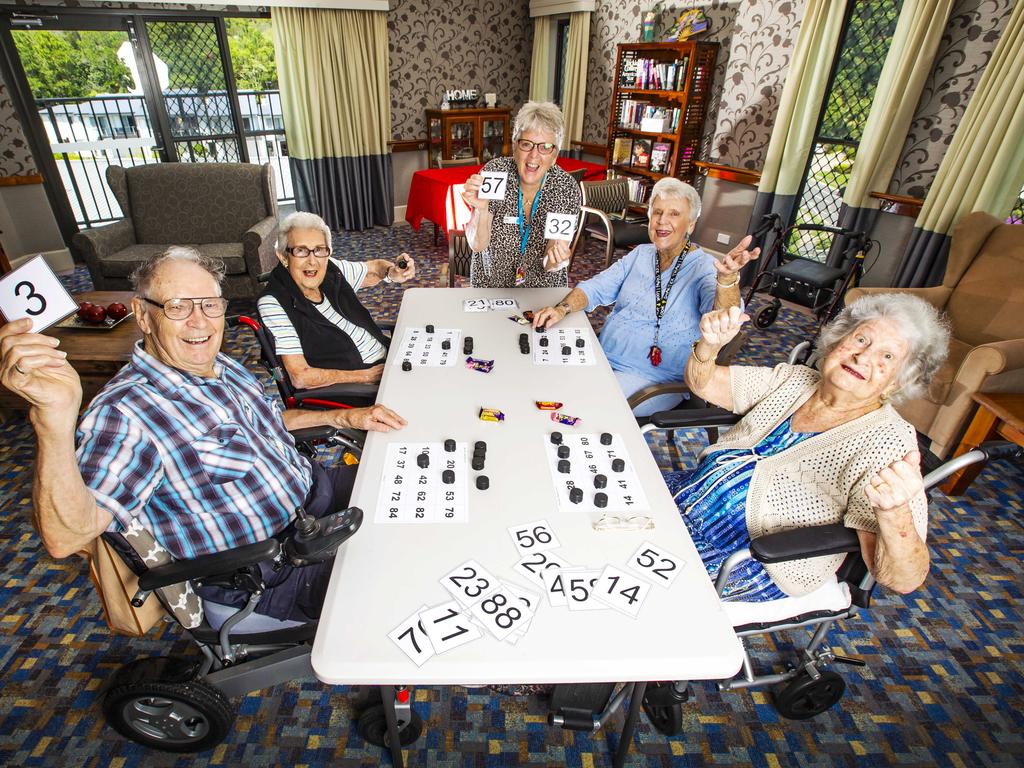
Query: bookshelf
point(659, 103)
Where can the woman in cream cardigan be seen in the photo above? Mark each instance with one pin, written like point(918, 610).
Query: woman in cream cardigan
point(816, 447)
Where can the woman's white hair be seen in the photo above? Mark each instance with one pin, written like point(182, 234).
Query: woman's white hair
point(142, 277)
point(301, 220)
point(924, 328)
point(670, 187)
point(539, 116)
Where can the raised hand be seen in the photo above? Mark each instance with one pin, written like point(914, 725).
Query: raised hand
point(471, 191)
point(737, 258)
point(720, 326)
point(31, 366)
point(400, 275)
point(557, 255)
point(892, 487)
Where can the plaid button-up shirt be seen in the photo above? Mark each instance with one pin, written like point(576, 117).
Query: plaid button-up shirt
point(206, 464)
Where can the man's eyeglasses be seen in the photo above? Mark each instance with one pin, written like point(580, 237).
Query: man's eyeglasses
point(631, 523)
point(181, 309)
point(544, 147)
point(301, 251)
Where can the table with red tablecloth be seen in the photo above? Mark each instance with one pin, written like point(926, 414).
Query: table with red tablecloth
point(435, 194)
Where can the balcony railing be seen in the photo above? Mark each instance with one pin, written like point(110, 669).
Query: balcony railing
point(87, 135)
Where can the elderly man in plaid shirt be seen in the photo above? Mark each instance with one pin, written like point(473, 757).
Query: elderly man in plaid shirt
point(183, 438)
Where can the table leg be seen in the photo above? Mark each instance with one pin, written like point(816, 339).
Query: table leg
point(983, 427)
point(626, 738)
point(387, 694)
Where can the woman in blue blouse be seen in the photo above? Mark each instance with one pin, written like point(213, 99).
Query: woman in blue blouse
point(648, 335)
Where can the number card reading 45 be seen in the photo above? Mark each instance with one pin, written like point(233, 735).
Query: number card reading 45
point(493, 186)
point(32, 290)
point(533, 537)
point(656, 564)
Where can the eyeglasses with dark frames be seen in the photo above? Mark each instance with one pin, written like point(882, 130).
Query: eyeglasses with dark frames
point(301, 251)
point(181, 309)
point(544, 147)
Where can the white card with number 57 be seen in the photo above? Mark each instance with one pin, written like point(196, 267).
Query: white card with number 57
point(656, 564)
point(622, 591)
point(493, 186)
point(33, 290)
point(560, 226)
point(412, 638)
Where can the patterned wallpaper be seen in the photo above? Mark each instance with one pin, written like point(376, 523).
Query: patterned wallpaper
point(15, 156)
point(756, 39)
point(966, 48)
point(438, 44)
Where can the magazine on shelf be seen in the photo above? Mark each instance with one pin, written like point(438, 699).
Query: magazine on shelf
point(660, 153)
point(641, 153)
point(621, 151)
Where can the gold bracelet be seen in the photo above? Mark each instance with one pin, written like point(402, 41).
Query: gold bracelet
point(693, 353)
point(727, 285)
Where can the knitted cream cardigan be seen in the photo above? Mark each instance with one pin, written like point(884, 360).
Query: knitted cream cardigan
point(820, 480)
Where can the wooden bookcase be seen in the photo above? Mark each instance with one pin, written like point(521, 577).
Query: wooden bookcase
point(670, 78)
point(458, 133)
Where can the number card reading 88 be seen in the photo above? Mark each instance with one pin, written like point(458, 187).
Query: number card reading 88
point(502, 612)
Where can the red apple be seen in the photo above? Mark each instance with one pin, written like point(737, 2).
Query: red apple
point(83, 309)
point(94, 314)
point(117, 311)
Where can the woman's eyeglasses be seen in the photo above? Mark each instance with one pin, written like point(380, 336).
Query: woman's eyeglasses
point(301, 251)
point(630, 523)
point(181, 309)
point(544, 147)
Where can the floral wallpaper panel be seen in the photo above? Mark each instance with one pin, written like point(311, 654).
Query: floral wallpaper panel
point(15, 156)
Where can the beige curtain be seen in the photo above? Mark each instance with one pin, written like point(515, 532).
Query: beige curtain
point(574, 87)
point(983, 169)
point(540, 66)
point(332, 67)
point(906, 68)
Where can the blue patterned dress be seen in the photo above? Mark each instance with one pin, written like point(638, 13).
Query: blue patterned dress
point(712, 500)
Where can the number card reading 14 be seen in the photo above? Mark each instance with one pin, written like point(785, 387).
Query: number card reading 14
point(493, 186)
point(32, 290)
point(622, 591)
point(656, 564)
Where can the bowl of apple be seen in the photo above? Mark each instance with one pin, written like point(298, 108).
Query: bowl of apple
point(96, 316)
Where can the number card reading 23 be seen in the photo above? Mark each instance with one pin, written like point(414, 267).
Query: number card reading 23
point(560, 226)
point(34, 291)
point(469, 582)
point(493, 186)
point(656, 564)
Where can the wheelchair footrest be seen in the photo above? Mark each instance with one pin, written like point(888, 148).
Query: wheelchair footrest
point(573, 719)
point(579, 706)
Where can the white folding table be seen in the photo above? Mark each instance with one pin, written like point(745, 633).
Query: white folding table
point(386, 572)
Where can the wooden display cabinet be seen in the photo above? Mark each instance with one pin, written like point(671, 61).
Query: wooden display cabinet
point(456, 133)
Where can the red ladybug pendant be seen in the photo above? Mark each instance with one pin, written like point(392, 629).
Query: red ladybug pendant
point(655, 355)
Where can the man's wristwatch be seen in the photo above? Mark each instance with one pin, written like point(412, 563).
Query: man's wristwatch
point(387, 275)
point(565, 307)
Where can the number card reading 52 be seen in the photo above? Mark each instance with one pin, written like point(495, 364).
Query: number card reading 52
point(493, 186)
point(656, 564)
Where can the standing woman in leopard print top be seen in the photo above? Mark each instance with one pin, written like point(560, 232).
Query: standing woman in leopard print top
point(507, 235)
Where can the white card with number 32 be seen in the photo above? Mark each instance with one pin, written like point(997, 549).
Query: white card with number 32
point(560, 226)
point(33, 290)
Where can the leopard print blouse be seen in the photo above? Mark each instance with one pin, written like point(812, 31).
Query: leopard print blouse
point(496, 266)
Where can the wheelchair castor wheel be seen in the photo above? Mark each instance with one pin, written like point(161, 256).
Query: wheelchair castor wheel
point(372, 726)
point(803, 697)
point(663, 706)
point(766, 315)
point(160, 704)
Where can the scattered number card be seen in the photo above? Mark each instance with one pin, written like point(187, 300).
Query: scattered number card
point(534, 564)
point(533, 537)
point(503, 305)
point(469, 583)
point(475, 305)
point(427, 349)
point(448, 627)
point(501, 612)
point(493, 186)
point(589, 461)
point(656, 564)
point(579, 590)
point(531, 600)
point(622, 591)
point(412, 638)
point(554, 586)
point(558, 339)
point(413, 494)
point(560, 226)
point(33, 290)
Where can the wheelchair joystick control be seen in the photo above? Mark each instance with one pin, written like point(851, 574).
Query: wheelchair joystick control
point(305, 525)
point(315, 539)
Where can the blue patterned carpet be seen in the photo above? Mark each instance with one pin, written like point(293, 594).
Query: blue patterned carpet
point(943, 685)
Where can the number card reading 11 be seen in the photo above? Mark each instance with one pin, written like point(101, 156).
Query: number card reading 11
point(656, 564)
point(33, 290)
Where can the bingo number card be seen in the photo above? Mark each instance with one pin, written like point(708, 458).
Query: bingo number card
point(558, 341)
point(595, 468)
point(437, 349)
point(410, 493)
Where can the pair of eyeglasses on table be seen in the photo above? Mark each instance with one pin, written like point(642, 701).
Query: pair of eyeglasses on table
point(623, 523)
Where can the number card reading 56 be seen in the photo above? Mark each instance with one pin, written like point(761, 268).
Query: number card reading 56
point(656, 564)
point(493, 186)
point(533, 537)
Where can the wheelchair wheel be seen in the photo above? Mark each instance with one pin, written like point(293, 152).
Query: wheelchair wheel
point(803, 697)
point(372, 726)
point(766, 315)
point(664, 712)
point(160, 704)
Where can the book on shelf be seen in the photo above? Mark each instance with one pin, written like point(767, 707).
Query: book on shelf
point(639, 189)
point(653, 74)
point(622, 150)
point(634, 113)
point(641, 153)
point(660, 153)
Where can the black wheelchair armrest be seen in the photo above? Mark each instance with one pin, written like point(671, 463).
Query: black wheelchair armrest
point(694, 417)
point(799, 543)
point(352, 437)
point(214, 564)
point(386, 326)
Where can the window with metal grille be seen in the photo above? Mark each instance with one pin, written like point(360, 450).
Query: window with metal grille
point(866, 38)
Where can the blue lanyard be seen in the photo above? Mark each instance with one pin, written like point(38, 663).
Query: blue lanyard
point(524, 232)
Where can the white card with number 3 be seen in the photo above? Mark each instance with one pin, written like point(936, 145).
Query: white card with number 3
point(33, 290)
point(493, 186)
point(560, 226)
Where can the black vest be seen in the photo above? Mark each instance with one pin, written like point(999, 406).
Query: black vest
point(324, 345)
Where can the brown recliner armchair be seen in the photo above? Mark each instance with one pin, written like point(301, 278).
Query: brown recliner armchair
point(226, 210)
point(982, 293)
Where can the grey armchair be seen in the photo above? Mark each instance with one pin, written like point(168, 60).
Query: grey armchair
point(226, 210)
